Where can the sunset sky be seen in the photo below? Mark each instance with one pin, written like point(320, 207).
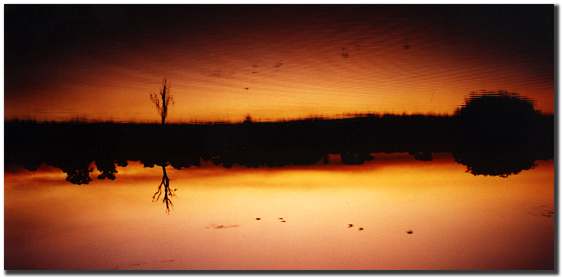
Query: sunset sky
point(270, 61)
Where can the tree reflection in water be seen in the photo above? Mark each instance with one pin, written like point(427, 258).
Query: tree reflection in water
point(493, 133)
point(164, 191)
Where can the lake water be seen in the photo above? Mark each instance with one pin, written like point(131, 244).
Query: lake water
point(413, 215)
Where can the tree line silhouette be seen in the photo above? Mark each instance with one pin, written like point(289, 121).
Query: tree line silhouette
point(493, 133)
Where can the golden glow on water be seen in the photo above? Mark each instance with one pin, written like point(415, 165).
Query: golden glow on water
point(459, 221)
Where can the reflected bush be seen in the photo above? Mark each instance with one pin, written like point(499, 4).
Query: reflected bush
point(495, 163)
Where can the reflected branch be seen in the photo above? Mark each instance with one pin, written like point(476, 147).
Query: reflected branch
point(164, 191)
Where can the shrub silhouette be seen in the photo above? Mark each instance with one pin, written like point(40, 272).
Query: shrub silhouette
point(496, 119)
point(497, 133)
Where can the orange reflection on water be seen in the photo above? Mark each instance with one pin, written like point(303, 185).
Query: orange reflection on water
point(458, 221)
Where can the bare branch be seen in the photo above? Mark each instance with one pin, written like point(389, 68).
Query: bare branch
point(167, 193)
point(161, 100)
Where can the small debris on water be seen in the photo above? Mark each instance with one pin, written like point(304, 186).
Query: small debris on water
point(548, 214)
point(221, 226)
point(344, 53)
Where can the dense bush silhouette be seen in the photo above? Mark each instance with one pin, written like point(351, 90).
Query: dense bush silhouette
point(500, 133)
point(496, 119)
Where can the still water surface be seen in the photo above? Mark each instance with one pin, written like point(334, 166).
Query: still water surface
point(414, 215)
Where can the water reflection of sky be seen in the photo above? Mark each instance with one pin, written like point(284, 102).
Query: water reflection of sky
point(458, 221)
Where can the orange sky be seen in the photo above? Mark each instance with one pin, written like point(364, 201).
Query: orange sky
point(293, 61)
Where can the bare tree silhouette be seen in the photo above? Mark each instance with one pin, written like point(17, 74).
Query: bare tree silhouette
point(164, 191)
point(162, 100)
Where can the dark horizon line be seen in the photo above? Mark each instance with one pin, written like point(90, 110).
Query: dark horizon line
point(85, 120)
